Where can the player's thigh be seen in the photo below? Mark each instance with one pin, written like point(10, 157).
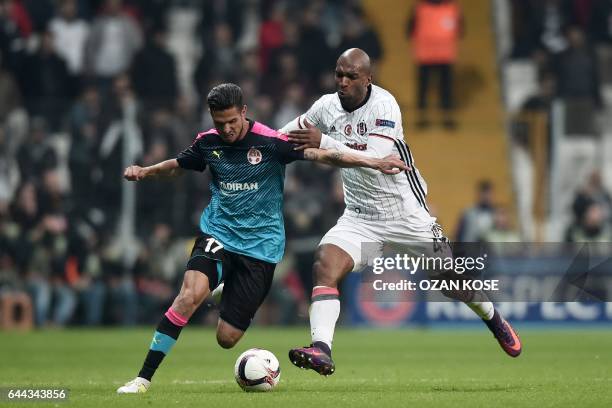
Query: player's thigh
point(203, 273)
point(429, 243)
point(247, 284)
point(208, 257)
point(360, 239)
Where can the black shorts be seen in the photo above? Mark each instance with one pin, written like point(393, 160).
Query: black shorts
point(247, 280)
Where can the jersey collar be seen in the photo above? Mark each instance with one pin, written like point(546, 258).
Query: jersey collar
point(365, 100)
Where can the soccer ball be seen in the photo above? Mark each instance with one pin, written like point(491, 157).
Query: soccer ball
point(257, 370)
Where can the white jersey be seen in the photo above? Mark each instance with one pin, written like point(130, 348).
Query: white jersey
point(376, 125)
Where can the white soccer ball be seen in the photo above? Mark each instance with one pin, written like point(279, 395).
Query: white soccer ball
point(257, 370)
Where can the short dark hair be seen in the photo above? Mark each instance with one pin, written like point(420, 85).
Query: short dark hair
point(224, 96)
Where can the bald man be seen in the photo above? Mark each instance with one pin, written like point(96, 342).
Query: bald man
point(365, 119)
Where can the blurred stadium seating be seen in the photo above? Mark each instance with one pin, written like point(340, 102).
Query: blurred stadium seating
point(89, 87)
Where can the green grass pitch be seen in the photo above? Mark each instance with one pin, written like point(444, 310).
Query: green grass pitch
point(380, 368)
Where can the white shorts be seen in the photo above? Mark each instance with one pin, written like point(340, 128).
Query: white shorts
point(365, 240)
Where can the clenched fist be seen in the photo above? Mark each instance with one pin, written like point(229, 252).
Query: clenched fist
point(134, 173)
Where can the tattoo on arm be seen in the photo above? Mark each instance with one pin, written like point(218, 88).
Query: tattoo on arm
point(311, 154)
point(335, 157)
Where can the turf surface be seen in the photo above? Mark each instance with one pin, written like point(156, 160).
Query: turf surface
point(417, 368)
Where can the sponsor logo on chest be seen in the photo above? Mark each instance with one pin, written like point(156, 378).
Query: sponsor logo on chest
point(238, 186)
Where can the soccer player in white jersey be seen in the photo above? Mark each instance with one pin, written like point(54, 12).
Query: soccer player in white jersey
point(364, 118)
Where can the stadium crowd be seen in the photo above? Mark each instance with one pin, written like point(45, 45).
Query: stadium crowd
point(90, 86)
point(570, 45)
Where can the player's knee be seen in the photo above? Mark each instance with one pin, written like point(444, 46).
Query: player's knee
point(323, 273)
point(330, 266)
point(227, 340)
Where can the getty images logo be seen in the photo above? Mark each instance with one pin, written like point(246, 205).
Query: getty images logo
point(238, 186)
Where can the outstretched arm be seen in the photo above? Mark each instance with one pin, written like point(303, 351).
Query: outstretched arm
point(168, 168)
point(388, 165)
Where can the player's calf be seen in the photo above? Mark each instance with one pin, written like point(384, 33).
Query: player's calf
point(187, 302)
point(227, 335)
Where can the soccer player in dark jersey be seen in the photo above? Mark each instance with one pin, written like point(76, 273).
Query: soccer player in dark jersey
point(243, 235)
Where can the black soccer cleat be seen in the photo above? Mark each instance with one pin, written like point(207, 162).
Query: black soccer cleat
point(505, 334)
point(311, 357)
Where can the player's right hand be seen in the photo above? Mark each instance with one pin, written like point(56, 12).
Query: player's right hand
point(305, 138)
point(392, 164)
point(134, 173)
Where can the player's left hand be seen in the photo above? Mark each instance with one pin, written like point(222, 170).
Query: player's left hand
point(306, 138)
point(392, 164)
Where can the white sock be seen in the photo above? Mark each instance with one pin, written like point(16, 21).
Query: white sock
point(324, 313)
point(483, 309)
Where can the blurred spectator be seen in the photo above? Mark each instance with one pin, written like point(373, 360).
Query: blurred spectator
point(293, 105)
point(12, 41)
point(122, 298)
point(271, 34)
point(9, 172)
point(309, 212)
point(44, 241)
point(183, 124)
point(600, 24)
point(276, 83)
point(150, 64)
point(523, 34)
point(52, 199)
point(152, 13)
point(576, 70)
point(542, 100)
point(121, 143)
point(85, 274)
point(592, 227)
point(156, 272)
point(46, 85)
point(549, 20)
point(501, 230)
point(226, 12)
point(86, 127)
point(250, 68)
point(593, 193)
point(70, 36)
point(539, 102)
point(36, 155)
point(290, 45)
point(477, 221)
point(40, 12)
point(263, 108)
point(19, 14)
point(10, 97)
point(435, 27)
point(316, 57)
point(155, 211)
point(581, 11)
point(357, 33)
point(578, 84)
point(9, 273)
point(112, 43)
point(220, 59)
